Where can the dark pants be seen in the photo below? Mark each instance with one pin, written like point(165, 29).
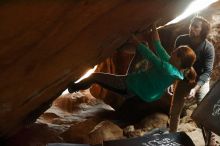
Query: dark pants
point(115, 83)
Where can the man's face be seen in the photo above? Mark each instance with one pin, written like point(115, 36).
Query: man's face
point(195, 29)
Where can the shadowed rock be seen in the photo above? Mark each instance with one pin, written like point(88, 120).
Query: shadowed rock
point(45, 44)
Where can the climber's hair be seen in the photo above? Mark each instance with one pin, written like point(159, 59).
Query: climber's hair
point(190, 75)
point(205, 26)
point(187, 56)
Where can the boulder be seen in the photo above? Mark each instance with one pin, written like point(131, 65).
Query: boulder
point(104, 131)
point(46, 44)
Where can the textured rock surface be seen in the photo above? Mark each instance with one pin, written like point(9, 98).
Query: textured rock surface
point(104, 131)
point(45, 44)
point(82, 123)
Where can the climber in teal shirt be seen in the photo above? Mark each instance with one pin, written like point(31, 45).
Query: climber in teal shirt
point(148, 85)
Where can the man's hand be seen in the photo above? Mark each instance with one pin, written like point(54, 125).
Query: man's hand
point(192, 92)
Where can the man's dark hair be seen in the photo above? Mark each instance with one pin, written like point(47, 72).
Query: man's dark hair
point(205, 26)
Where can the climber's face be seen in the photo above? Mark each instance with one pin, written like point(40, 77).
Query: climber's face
point(175, 60)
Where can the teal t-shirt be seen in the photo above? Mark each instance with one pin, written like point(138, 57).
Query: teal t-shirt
point(150, 85)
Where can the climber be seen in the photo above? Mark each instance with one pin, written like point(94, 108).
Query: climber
point(148, 85)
